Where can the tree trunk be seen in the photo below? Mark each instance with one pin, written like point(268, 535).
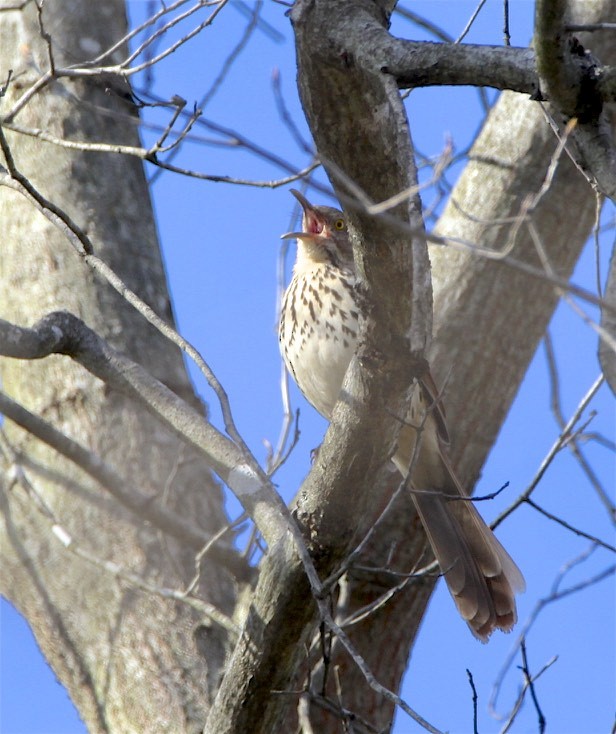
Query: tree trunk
point(489, 318)
point(131, 661)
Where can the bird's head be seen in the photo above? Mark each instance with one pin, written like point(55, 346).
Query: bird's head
point(324, 236)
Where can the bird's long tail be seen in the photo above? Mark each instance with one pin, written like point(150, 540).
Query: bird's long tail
point(480, 574)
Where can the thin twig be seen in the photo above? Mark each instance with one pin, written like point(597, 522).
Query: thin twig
point(555, 594)
point(530, 681)
point(105, 475)
point(474, 690)
point(573, 443)
point(576, 531)
point(470, 22)
point(45, 36)
point(520, 700)
point(367, 673)
point(83, 246)
point(222, 74)
point(556, 447)
point(18, 475)
point(207, 547)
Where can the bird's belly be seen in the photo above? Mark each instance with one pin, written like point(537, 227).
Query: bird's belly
point(319, 369)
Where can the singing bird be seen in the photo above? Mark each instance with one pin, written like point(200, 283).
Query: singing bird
point(318, 334)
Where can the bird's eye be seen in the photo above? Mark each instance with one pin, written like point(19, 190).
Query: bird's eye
point(339, 224)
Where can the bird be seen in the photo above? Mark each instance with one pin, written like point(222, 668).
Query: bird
point(318, 334)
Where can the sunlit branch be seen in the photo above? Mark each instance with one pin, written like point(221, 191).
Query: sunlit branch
point(140, 504)
point(149, 22)
point(63, 333)
point(146, 155)
point(61, 534)
point(166, 27)
point(470, 21)
point(83, 246)
point(224, 71)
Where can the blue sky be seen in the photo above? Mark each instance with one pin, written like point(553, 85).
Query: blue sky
point(221, 244)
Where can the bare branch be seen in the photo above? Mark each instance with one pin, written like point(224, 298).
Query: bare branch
point(418, 64)
point(164, 164)
point(137, 502)
point(573, 443)
point(471, 20)
point(83, 246)
point(555, 593)
point(368, 675)
point(607, 356)
point(347, 94)
point(148, 23)
point(226, 68)
point(59, 532)
point(63, 333)
point(25, 186)
point(474, 690)
point(568, 75)
point(528, 685)
point(556, 447)
point(530, 682)
point(576, 531)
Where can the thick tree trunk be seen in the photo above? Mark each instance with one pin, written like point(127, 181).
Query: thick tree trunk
point(489, 318)
point(131, 661)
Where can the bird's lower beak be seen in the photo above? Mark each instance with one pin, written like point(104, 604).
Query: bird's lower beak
point(295, 235)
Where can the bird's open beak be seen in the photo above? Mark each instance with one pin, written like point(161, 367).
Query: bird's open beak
point(294, 235)
point(312, 221)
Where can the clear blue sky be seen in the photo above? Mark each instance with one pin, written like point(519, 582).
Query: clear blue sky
point(221, 245)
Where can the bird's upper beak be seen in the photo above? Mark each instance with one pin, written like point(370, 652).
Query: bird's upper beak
point(313, 223)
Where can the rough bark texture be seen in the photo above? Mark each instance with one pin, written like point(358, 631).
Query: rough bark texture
point(568, 74)
point(131, 662)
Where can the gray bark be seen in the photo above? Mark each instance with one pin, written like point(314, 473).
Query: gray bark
point(477, 300)
point(131, 661)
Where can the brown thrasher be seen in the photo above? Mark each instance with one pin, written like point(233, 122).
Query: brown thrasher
point(318, 334)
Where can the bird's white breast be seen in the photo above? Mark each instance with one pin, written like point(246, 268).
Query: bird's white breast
point(318, 333)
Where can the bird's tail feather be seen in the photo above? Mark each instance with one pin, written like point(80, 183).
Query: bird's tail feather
point(480, 574)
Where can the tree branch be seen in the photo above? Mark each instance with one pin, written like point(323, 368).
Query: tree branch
point(607, 355)
point(556, 592)
point(140, 504)
point(420, 64)
point(61, 534)
point(569, 76)
point(361, 133)
point(63, 333)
